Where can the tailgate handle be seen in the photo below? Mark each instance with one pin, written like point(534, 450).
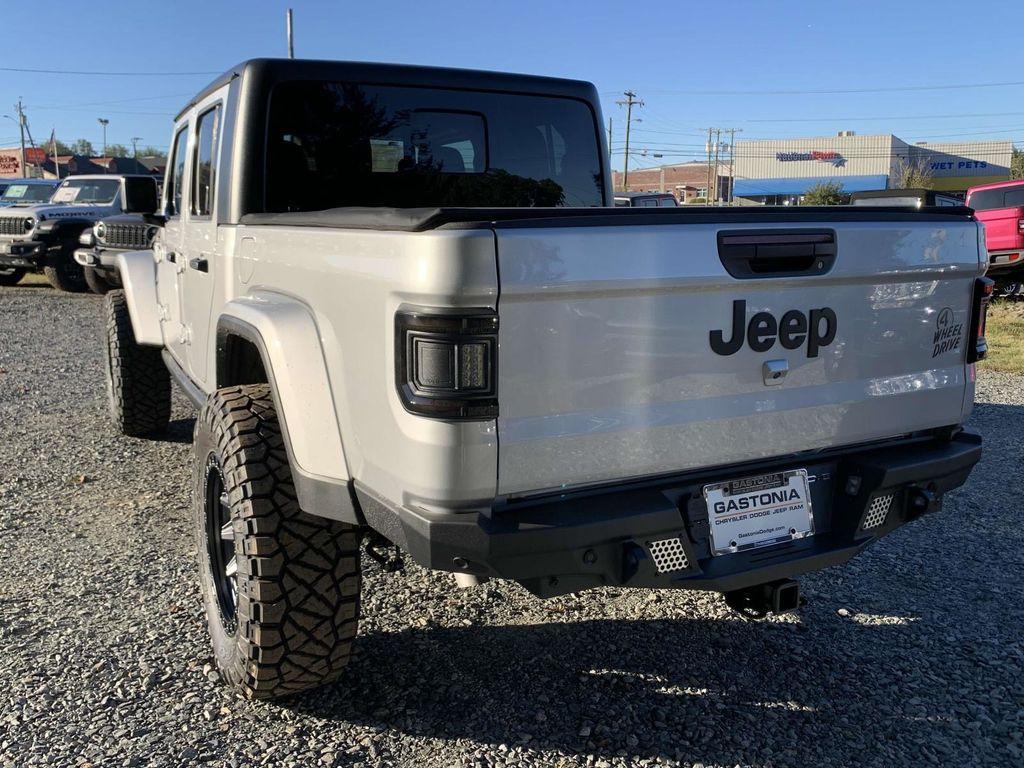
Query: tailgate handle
point(747, 254)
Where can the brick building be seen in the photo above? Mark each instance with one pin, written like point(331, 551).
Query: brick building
point(687, 181)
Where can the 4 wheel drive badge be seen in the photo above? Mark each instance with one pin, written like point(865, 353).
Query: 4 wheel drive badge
point(948, 333)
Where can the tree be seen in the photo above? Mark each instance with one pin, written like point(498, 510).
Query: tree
point(911, 175)
point(1017, 164)
point(118, 150)
point(825, 193)
point(82, 147)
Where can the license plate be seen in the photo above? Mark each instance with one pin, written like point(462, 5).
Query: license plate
point(759, 511)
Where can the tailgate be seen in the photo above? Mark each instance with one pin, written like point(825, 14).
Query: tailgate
point(606, 366)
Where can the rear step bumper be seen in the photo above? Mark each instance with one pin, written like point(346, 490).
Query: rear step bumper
point(655, 533)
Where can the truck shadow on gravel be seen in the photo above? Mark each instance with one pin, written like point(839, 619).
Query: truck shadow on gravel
point(717, 691)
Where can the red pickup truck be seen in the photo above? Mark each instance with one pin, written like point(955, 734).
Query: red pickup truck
point(1001, 207)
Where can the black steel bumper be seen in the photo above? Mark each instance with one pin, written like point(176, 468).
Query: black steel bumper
point(22, 253)
point(569, 542)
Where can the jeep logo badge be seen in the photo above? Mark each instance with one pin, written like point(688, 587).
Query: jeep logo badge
point(792, 330)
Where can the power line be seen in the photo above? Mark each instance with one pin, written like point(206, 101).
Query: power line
point(817, 91)
point(104, 74)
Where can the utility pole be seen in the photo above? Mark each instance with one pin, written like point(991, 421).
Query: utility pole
point(732, 159)
point(628, 103)
point(707, 190)
point(21, 128)
point(714, 171)
point(610, 159)
point(135, 146)
point(291, 42)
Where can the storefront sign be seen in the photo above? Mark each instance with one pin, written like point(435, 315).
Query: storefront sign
point(824, 156)
point(10, 163)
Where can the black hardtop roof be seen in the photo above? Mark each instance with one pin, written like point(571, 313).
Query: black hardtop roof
point(908, 192)
point(276, 70)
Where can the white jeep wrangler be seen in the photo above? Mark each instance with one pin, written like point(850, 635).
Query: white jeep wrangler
point(409, 313)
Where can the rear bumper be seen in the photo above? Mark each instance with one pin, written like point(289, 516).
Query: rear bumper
point(554, 545)
point(22, 253)
point(1005, 261)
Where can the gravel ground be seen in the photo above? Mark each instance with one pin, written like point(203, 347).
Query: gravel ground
point(910, 655)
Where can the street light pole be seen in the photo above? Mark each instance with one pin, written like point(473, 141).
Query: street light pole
point(104, 122)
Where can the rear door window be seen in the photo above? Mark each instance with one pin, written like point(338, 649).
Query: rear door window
point(176, 171)
point(343, 144)
point(204, 172)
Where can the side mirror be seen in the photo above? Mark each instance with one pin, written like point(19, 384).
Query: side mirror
point(140, 195)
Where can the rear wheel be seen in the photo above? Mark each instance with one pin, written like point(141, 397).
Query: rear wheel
point(11, 276)
point(138, 383)
point(96, 281)
point(280, 587)
point(63, 272)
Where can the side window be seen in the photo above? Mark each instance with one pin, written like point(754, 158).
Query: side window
point(204, 171)
point(175, 170)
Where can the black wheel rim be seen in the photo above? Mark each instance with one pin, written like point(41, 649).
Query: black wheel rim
point(220, 545)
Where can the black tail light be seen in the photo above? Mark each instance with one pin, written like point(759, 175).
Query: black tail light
point(977, 347)
point(446, 365)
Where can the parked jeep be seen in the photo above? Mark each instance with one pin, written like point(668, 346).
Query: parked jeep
point(43, 237)
point(24, 192)
point(108, 238)
point(408, 314)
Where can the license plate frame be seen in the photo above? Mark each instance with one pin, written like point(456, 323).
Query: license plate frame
point(759, 511)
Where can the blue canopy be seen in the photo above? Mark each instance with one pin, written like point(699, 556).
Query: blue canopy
point(799, 185)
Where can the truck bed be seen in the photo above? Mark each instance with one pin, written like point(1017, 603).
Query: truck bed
point(424, 219)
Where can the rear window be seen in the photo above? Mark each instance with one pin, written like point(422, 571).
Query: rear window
point(1000, 197)
point(331, 145)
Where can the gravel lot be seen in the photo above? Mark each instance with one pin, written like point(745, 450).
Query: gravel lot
point(910, 655)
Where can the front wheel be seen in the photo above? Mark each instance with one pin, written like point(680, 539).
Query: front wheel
point(11, 276)
point(280, 586)
point(63, 272)
point(138, 383)
point(96, 281)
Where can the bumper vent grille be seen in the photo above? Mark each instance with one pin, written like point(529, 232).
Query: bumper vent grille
point(126, 236)
point(669, 555)
point(878, 510)
point(12, 225)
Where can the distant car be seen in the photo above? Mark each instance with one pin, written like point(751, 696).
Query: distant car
point(1000, 207)
point(26, 192)
point(913, 198)
point(645, 200)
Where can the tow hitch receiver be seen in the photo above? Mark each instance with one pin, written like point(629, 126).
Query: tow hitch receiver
point(758, 601)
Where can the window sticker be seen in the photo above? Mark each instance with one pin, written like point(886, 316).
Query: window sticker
point(65, 195)
point(16, 190)
point(386, 154)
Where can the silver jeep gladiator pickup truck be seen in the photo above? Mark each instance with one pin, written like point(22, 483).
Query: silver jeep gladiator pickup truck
point(410, 316)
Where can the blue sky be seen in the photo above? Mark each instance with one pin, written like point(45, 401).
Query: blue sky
point(759, 66)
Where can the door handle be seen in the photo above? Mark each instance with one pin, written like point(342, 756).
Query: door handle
point(172, 257)
point(199, 264)
point(747, 254)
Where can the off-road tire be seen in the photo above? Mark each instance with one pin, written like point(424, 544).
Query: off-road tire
point(97, 283)
point(138, 383)
point(11, 276)
point(63, 272)
point(297, 576)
